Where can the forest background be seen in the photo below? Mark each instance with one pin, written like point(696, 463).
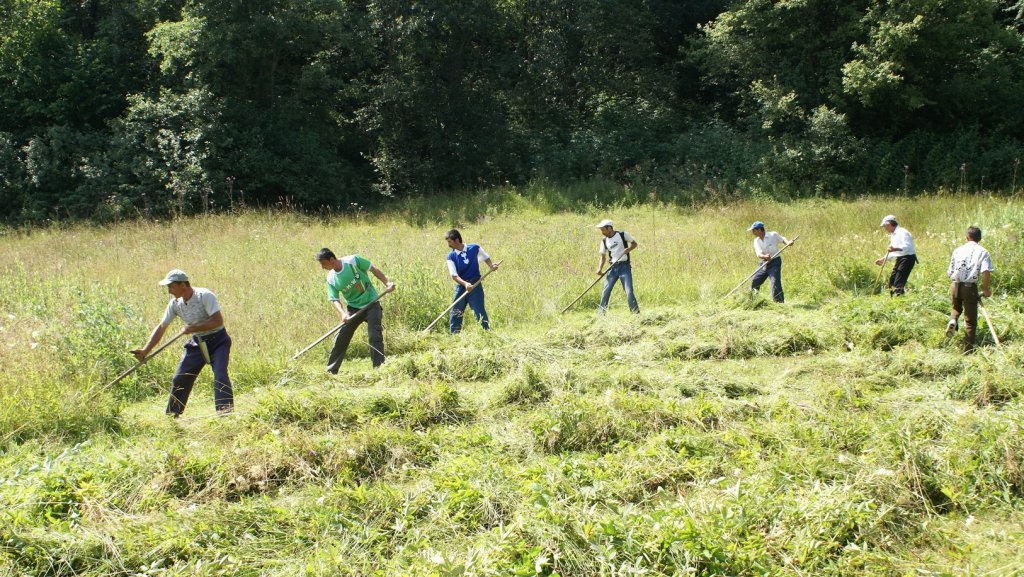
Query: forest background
point(112, 110)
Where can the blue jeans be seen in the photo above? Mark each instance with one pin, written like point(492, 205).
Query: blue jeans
point(475, 300)
point(219, 346)
point(772, 271)
point(621, 271)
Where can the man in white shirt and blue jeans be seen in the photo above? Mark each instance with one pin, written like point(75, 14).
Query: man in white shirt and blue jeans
point(766, 246)
point(969, 264)
point(210, 343)
point(615, 247)
point(901, 248)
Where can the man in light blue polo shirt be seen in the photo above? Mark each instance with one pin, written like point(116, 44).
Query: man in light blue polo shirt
point(199, 310)
point(464, 267)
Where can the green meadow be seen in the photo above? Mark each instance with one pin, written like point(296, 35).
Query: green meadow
point(838, 434)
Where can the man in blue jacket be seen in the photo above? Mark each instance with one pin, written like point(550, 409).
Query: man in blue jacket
point(464, 266)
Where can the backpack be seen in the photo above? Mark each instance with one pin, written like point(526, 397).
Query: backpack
point(622, 235)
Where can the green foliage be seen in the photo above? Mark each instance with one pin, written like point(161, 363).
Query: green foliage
point(85, 347)
point(968, 49)
point(847, 101)
point(148, 108)
point(12, 177)
point(167, 145)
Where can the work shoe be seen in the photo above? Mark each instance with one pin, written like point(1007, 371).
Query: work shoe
point(951, 327)
point(224, 411)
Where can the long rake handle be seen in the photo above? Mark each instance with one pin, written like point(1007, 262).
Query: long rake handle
point(599, 277)
point(760, 266)
point(464, 295)
point(881, 268)
point(988, 321)
point(338, 328)
point(145, 360)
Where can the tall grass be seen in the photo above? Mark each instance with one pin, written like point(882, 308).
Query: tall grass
point(839, 434)
point(89, 294)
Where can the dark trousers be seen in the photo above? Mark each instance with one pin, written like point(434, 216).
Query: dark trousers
point(771, 271)
point(900, 273)
point(218, 345)
point(964, 299)
point(373, 317)
point(475, 300)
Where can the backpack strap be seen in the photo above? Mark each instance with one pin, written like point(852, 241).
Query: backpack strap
point(622, 236)
point(351, 261)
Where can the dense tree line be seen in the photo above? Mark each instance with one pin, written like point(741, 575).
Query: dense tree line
point(117, 108)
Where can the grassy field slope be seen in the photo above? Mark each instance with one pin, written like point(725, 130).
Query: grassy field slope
point(839, 434)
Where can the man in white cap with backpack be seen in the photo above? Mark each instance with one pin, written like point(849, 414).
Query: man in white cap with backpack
point(615, 248)
point(901, 248)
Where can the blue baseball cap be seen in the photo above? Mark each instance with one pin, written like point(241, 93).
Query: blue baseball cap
point(757, 224)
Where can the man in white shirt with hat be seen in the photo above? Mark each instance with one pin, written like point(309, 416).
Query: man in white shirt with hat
point(901, 248)
point(615, 247)
point(210, 343)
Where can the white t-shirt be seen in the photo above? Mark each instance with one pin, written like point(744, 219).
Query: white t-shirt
point(769, 245)
point(968, 262)
point(902, 240)
point(198, 309)
point(614, 244)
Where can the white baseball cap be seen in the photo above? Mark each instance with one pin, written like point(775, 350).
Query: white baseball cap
point(888, 218)
point(176, 275)
point(604, 223)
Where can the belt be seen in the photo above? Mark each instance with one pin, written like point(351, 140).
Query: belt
point(961, 283)
point(215, 333)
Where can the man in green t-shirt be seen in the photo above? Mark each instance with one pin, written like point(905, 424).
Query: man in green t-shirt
point(348, 279)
